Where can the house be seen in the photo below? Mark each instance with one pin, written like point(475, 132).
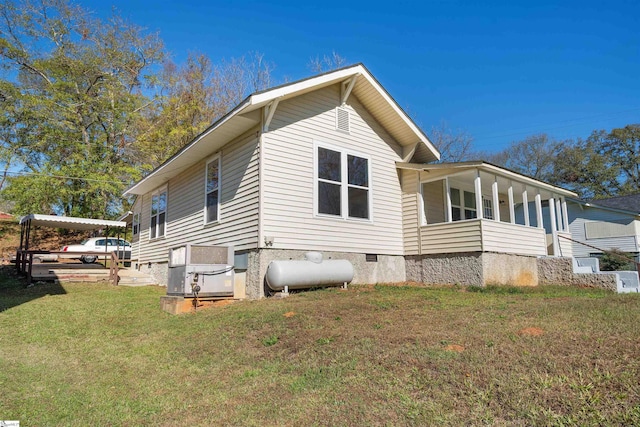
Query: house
point(333, 164)
point(605, 224)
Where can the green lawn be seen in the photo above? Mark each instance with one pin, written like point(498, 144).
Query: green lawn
point(88, 354)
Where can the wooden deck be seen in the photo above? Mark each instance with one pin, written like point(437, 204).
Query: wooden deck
point(78, 272)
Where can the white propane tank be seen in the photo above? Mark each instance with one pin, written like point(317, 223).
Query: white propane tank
point(311, 272)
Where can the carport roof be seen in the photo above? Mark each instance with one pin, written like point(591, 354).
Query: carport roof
point(74, 223)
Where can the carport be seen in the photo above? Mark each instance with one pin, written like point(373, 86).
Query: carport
point(24, 255)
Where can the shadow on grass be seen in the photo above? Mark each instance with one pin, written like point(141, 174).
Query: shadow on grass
point(14, 290)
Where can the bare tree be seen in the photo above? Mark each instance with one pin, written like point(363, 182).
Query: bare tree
point(327, 63)
point(454, 145)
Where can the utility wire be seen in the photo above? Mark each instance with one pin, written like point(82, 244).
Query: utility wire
point(65, 177)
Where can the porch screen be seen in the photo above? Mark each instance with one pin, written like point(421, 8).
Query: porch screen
point(433, 202)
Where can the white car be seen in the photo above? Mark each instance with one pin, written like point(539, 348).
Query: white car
point(98, 245)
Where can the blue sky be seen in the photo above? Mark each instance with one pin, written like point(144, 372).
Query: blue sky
point(499, 70)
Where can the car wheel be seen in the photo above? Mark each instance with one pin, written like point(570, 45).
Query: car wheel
point(88, 259)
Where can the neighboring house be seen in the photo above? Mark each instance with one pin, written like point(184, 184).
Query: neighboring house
point(333, 164)
point(605, 224)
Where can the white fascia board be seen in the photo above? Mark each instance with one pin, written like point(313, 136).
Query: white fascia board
point(415, 129)
point(487, 167)
point(325, 79)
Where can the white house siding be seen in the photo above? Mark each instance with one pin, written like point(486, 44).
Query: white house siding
point(410, 212)
point(452, 237)
point(513, 238)
point(238, 225)
point(579, 216)
point(288, 182)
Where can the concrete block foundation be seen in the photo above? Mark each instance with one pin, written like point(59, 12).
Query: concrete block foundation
point(473, 269)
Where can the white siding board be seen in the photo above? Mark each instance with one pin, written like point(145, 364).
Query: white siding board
point(185, 204)
point(577, 219)
point(289, 185)
point(410, 212)
point(516, 239)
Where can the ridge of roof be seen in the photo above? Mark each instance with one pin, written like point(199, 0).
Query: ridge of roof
point(258, 99)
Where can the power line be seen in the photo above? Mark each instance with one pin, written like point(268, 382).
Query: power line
point(550, 126)
point(64, 177)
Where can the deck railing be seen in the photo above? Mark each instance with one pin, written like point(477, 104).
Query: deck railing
point(24, 261)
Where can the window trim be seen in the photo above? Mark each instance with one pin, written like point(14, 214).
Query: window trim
point(135, 224)
point(344, 183)
point(217, 157)
point(156, 192)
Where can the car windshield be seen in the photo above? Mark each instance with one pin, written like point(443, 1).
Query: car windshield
point(84, 242)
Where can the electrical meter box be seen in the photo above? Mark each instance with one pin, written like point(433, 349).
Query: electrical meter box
point(209, 267)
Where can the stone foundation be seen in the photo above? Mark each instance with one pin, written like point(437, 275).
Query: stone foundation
point(387, 269)
point(467, 269)
point(473, 269)
point(159, 271)
point(559, 271)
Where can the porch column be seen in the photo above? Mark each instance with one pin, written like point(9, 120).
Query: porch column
point(447, 201)
point(478, 189)
point(512, 211)
point(559, 215)
point(539, 211)
point(565, 214)
point(496, 200)
point(525, 207)
point(554, 230)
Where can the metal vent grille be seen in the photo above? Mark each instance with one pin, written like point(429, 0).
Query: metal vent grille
point(209, 255)
point(342, 119)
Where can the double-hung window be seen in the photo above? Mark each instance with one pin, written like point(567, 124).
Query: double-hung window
point(463, 205)
point(212, 191)
point(136, 224)
point(343, 184)
point(158, 214)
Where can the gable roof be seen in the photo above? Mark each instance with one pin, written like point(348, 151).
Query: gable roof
point(630, 203)
point(246, 115)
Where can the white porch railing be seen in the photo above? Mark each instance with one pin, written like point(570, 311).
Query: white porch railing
point(482, 235)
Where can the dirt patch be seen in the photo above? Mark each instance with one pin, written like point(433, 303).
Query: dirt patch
point(454, 347)
point(531, 331)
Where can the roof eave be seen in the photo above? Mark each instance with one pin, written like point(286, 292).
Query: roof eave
point(468, 165)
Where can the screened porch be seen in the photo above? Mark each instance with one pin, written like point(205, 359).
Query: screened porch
point(479, 207)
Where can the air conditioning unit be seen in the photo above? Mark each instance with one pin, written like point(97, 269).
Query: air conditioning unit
point(208, 267)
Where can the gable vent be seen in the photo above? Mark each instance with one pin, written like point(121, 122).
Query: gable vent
point(342, 119)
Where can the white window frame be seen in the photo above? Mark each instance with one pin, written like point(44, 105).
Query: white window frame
point(487, 208)
point(158, 192)
point(216, 158)
point(463, 208)
point(135, 224)
point(344, 183)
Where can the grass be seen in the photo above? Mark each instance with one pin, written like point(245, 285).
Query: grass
point(93, 354)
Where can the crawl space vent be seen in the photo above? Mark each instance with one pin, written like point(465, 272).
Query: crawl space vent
point(342, 119)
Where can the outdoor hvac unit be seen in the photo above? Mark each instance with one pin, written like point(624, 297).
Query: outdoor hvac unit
point(209, 267)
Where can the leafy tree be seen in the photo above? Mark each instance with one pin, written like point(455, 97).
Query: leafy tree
point(78, 89)
point(584, 168)
point(622, 147)
point(191, 98)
